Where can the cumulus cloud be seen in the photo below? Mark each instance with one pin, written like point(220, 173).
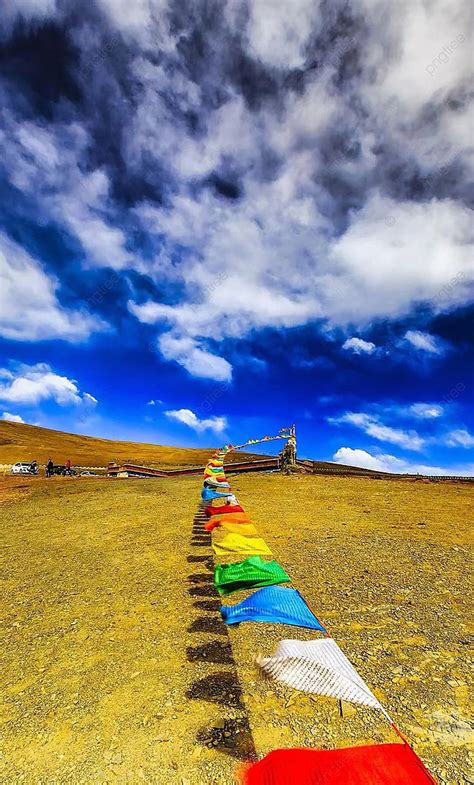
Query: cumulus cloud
point(374, 427)
point(355, 457)
point(395, 233)
point(460, 438)
point(189, 418)
point(423, 341)
point(11, 417)
point(349, 456)
point(29, 308)
point(30, 385)
point(359, 346)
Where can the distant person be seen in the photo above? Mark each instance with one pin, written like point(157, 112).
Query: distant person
point(49, 468)
point(34, 467)
point(68, 464)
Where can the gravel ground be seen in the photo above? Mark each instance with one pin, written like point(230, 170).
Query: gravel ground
point(116, 667)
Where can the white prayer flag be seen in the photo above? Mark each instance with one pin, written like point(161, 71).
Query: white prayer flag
point(318, 666)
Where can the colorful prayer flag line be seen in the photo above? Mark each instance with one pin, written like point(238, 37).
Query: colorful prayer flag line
point(317, 666)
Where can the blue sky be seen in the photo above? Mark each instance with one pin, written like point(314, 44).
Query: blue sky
point(218, 219)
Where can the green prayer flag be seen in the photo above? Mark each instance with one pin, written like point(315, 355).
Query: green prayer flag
point(249, 574)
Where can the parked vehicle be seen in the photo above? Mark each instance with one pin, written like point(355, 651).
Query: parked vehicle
point(63, 471)
point(25, 467)
point(89, 474)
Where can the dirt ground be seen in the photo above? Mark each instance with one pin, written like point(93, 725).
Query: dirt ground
point(116, 667)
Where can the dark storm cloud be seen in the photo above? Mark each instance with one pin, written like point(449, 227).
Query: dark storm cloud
point(78, 66)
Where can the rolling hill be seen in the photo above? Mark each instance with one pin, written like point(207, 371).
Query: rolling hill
point(21, 442)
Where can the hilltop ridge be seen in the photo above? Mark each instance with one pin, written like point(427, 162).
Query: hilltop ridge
point(22, 442)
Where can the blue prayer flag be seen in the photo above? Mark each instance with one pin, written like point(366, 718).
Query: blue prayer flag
point(273, 604)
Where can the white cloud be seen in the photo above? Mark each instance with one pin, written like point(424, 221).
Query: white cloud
point(11, 417)
point(423, 341)
point(428, 411)
point(372, 426)
point(355, 457)
point(192, 356)
point(126, 16)
point(359, 346)
point(280, 271)
point(49, 161)
point(404, 80)
point(397, 235)
point(279, 32)
point(33, 384)
point(460, 438)
point(29, 308)
point(143, 21)
point(389, 463)
point(189, 418)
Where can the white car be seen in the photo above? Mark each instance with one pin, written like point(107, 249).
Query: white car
point(21, 468)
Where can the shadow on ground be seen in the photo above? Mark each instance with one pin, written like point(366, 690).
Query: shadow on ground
point(231, 734)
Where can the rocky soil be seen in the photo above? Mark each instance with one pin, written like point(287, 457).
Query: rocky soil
point(116, 667)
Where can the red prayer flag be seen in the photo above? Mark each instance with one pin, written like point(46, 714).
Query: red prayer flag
point(378, 764)
point(224, 508)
